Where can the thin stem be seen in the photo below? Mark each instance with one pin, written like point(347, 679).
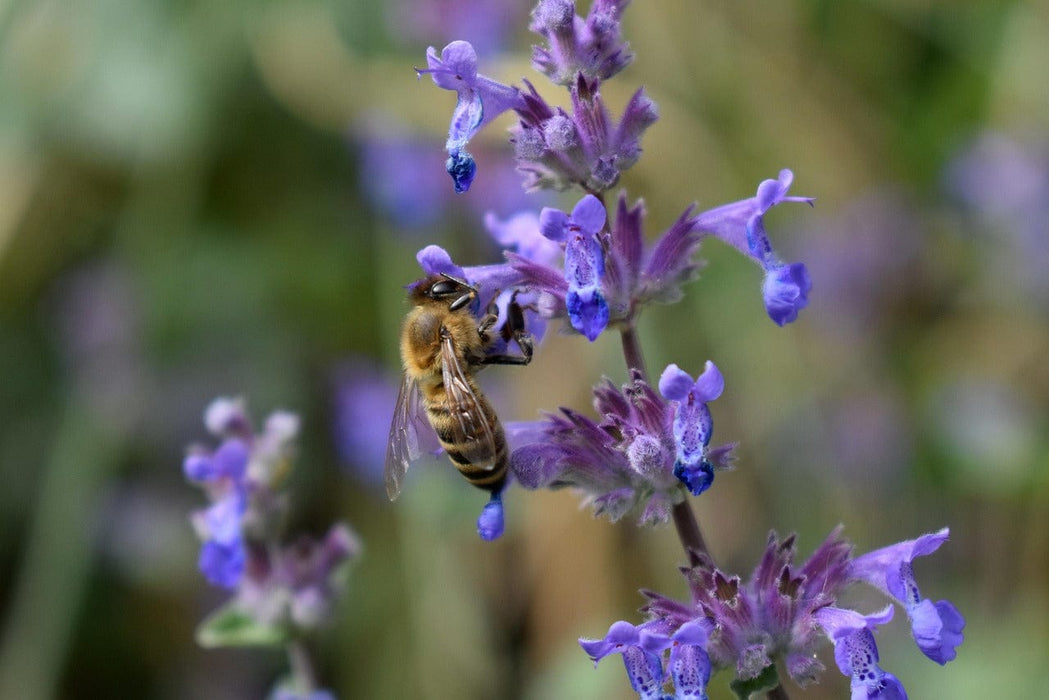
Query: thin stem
point(632, 350)
point(777, 693)
point(303, 677)
point(684, 519)
point(688, 532)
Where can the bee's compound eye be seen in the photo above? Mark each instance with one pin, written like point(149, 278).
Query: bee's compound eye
point(443, 288)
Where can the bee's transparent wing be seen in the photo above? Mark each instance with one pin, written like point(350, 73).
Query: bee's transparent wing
point(471, 428)
point(402, 448)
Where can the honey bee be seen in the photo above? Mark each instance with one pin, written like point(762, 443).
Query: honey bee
point(442, 345)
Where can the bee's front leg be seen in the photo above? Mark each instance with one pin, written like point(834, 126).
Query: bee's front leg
point(513, 329)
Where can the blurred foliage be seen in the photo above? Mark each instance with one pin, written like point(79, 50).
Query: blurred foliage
point(184, 213)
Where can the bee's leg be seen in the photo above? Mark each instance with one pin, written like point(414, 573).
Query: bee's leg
point(488, 320)
point(513, 329)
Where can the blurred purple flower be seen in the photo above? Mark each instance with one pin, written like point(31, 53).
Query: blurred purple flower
point(1004, 180)
point(487, 23)
point(223, 474)
point(363, 402)
point(400, 175)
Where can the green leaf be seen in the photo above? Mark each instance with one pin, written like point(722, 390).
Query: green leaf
point(230, 626)
point(762, 683)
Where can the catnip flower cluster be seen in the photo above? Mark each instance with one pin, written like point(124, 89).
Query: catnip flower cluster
point(649, 449)
point(281, 591)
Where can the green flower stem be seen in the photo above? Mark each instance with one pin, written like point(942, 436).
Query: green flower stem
point(49, 587)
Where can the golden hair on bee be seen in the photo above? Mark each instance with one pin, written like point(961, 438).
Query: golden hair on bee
point(442, 345)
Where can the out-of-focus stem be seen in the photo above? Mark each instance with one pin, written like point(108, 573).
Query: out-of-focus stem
point(777, 693)
point(303, 677)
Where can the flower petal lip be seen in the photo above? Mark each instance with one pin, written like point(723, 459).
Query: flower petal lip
point(710, 384)
point(589, 214)
point(675, 383)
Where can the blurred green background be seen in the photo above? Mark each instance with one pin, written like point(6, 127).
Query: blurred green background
point(224, 197)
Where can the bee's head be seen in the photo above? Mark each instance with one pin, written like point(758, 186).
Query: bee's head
point(442, 289)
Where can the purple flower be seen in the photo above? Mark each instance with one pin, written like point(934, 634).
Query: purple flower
point(521, 233)
point(487, 23)
point(786, 291)
point(642, 649)
point(490, 524)
point(584, 262)
point(362, 404)
point(487, 279)
point(769, 616)
point(689, 665)
point(693, 424)
point(591, 47)
point(400, 175)
point(936, 627)
point(497, 284)
point(623, 462)
point(305, 578)
point(222, 473)
point(633, 276)
point(556, 150)
point(741, 224)
point(480, 100)
point(856, 652)
point(236, 477)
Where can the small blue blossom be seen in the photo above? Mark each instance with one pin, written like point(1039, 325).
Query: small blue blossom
point(642, 650)
point(786, 292)
point(222, 555)
point(584, 262)
point(689, 665)
point(936, 627)
point(490, 524)
point(480, 100)
point(693, 424)
point(856, 652)
point(741, 224)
